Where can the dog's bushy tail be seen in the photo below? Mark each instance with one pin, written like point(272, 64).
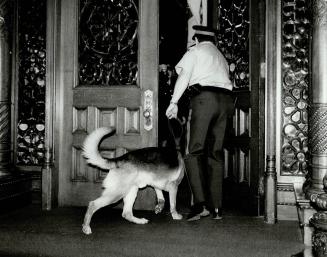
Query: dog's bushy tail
point(90, 148)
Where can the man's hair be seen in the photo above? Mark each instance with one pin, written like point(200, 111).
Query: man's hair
point(202, 38)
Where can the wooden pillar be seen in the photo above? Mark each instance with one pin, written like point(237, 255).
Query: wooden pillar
point(49, 173)
point(271, 84)
point(318, 127)
point(318, 94)
point(5, 75)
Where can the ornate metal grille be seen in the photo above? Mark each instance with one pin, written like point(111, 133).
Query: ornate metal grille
point(108, 42)
point(31, 83)
point(295, 56)
point(233, 39)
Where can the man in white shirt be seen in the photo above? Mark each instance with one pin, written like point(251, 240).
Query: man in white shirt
point(204, 68)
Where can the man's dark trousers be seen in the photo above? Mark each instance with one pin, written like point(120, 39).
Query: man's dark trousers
point(209, 113)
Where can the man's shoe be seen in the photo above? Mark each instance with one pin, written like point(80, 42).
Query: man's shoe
point(193, 217)
point(204, 212)
point(217, 214)
point(197, 211)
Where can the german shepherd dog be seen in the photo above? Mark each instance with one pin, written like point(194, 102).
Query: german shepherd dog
point(160, 168)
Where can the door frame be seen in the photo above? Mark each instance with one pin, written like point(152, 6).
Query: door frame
point(54, 129)
point(258, 77)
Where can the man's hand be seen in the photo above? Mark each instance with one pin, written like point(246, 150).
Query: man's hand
point(172, 111)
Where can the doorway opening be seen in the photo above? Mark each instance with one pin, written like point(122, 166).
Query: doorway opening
point(173, 18)
point(244, 135)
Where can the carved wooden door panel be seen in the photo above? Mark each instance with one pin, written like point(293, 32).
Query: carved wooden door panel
point(107, 76)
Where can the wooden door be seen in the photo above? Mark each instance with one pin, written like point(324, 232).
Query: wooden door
point(107, 75)
point(242, 40)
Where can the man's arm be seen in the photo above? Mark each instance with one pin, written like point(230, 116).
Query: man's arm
point(180, 87)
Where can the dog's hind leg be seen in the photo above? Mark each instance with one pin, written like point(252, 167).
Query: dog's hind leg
point(161, 201)
point(172, 200)
point(129, 200)
point(95, 205)
point(92, 208)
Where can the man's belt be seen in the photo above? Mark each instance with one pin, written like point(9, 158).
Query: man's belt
point(193, 90)
point(217, 89)
point(196, 89)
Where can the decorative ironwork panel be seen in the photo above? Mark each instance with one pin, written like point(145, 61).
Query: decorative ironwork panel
point(233, 39)
point(295, 66)
point(31, 83)
point(108, 42)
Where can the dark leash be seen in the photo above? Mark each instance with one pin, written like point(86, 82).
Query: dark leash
point(181, 123)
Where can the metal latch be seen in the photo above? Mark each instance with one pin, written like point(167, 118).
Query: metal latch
point(148, 110)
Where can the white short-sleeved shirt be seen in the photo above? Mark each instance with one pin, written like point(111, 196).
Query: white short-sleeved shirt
point(207, 66)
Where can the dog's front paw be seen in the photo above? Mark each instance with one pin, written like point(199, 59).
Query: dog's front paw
point(142, 221)
point(159, 207)
point(86, 230)
point(176, 216)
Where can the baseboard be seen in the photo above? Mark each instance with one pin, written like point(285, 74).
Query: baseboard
point(286, 202)
point(305, 212)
